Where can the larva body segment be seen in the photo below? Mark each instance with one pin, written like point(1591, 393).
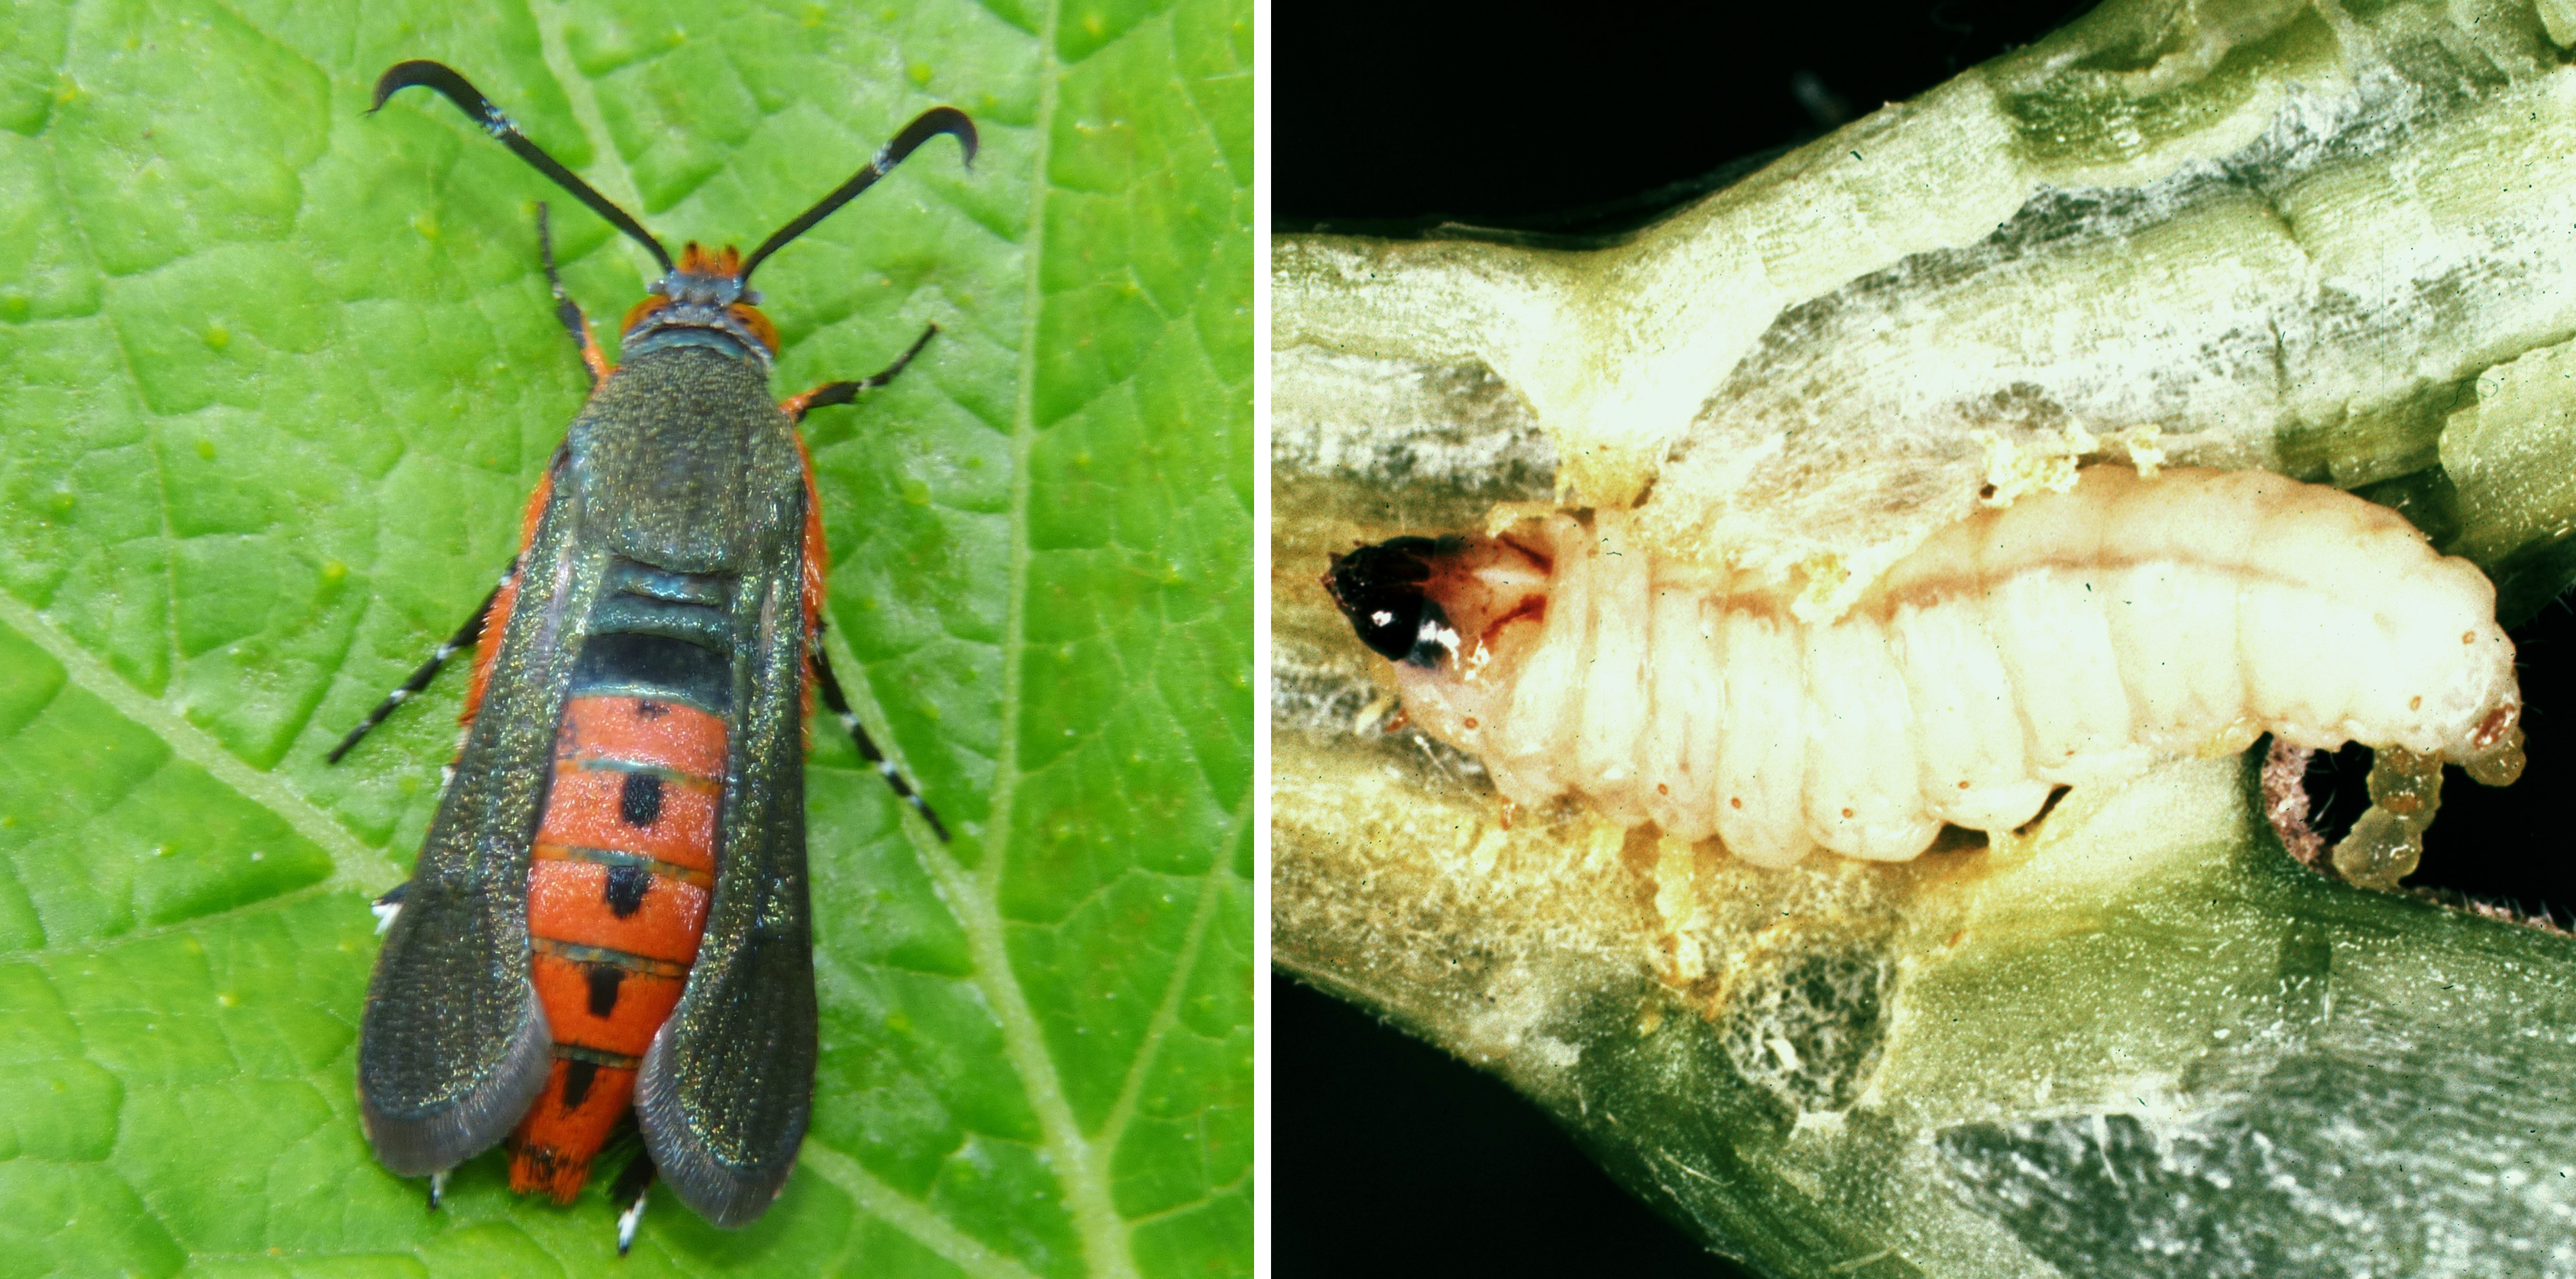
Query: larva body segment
point(2067, 638)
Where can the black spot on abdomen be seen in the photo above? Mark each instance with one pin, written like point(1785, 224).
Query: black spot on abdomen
point(639, 801)
point(604, 979)
point(577, 1076)
point(626, 885)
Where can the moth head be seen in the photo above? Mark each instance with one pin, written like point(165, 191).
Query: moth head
point(703, 301)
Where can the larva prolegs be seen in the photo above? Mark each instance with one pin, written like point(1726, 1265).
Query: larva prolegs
point(1762, 756)
point(2495, 757)
point(1688, 697)
point(1862, 796)
point(1968, 740)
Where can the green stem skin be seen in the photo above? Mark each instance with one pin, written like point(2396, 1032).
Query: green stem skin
point(2138, 1038)
point(2141, 1041)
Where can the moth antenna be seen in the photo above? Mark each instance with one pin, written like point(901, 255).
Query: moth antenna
point(459, 90)
point(929, 124)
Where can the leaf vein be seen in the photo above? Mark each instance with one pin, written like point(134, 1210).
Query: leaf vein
point(353, 865)
point(611, 175)
point(911, 1216)
point(190, 924)
point(1167, 1011)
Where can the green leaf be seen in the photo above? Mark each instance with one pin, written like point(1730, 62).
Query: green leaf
point(275, 379)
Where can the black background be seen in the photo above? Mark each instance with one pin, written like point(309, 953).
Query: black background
point(1507, 115)
point(1390, 1157)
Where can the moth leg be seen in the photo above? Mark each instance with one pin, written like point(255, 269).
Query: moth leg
point(437, 1189)
point(464, 637)
point(831, 393)
point(840, 707)
point(569, 311)
point(386, 907)
point(634, 1185)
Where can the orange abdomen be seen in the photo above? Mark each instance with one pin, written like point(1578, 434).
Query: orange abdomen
point(617, 898)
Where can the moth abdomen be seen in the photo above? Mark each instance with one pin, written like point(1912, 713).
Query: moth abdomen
point(2071, 637)
point(618, 883)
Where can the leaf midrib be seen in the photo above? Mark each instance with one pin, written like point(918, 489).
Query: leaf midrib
point(1078, 1165)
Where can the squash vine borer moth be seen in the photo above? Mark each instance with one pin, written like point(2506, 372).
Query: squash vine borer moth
point(611, 902)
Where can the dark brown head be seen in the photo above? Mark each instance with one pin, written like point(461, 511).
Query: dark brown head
point(1381, 589)
point(1459, 617)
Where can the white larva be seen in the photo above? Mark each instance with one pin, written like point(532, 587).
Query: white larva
point(2069, 638)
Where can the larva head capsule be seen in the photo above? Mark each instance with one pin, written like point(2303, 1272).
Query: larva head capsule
point(1459, 618)
point(1438, 605)
point(1380, 589)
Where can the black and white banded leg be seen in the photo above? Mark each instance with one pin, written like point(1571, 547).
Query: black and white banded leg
point(464, 638)
point(386, 907)
point(634, 1185)
point(831, 393)
point(839, 705)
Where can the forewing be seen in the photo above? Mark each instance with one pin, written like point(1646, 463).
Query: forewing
point(729, 1081)
point(453, 1047)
